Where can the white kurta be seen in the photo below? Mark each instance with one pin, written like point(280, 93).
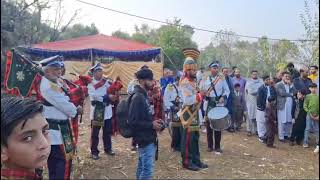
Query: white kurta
point(251, 90)
point(285, 117)
point(261, 124)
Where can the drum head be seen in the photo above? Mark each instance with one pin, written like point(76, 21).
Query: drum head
point(218, 113)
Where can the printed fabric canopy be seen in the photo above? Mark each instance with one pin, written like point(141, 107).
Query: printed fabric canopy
point(96, 45)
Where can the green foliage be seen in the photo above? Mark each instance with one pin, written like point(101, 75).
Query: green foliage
point(79, 30)
point(21, 24)
point(171, 38)
point(262, 55)
point(310, 20)
point(121, 34)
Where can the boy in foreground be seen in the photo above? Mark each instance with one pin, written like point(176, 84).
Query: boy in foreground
point(25, 143)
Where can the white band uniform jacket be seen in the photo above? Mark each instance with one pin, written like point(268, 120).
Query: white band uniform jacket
point(62, 108)
point(97, 95)
point(221, 86)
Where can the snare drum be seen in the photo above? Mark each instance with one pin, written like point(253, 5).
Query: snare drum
point(219, 118)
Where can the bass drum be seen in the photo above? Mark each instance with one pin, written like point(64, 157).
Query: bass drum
point(219, 118)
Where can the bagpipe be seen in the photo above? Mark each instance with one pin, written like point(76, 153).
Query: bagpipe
point(75, 93)
point(115, 89)
point(82, 81)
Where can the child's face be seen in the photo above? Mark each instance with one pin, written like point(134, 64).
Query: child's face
point(300, 96)
point(28, 146)
point(313, 90)
point(237, 88)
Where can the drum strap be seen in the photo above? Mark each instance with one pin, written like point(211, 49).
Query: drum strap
point(175, 87)
point(213, 85)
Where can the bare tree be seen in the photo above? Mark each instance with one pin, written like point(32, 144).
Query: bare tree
point(58, 24)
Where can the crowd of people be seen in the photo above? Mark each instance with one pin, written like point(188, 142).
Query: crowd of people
point(35, 134)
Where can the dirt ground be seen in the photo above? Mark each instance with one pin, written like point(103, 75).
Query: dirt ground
point(244, 157)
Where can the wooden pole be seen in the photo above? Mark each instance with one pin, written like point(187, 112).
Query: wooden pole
point(162, 60)
point(91, 58)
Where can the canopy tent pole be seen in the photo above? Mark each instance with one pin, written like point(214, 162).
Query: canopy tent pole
point(91, 58)
point(162, 60)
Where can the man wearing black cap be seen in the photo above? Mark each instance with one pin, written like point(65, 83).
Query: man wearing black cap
point(216, 90)
point(100, 112)
point(142, 124)
point(58, 110)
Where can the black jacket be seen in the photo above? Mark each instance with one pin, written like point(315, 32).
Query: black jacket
point(140, 118)
point(262, 96)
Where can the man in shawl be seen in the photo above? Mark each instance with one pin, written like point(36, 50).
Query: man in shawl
point(251, 91)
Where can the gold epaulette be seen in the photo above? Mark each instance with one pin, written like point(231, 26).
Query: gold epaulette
point(184, 81)
point(54, 86)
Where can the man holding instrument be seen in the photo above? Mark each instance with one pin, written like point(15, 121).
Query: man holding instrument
point(191, 99)
point(57, 109)
point(76, 94)
point(216, 91)
point(100, 112)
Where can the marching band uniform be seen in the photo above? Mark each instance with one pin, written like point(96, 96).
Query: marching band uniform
point(156, 101)
point(191, 99)
point(172, 103)
point(100, 114)
point(221, 90)
point(114, 89)
point(9, 173)
point(76, 93)
point(57, 110)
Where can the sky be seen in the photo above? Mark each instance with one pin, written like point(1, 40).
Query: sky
point(272, 18)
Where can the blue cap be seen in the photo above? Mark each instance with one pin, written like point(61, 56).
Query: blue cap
point(54, 61)
point(214, 64)
point(96, 67)
point(62, 63)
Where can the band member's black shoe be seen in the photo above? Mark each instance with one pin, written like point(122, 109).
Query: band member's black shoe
point(231, 130)
point(94, 157)
point(286, 138)
point(282, 140)
point(202, 165)
point(291, 143)
point(209, 149)
point(271, 146)
point(111, 153)
point(192, 167)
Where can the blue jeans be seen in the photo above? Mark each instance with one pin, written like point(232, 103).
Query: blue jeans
point(146, 162)
point(309, 124)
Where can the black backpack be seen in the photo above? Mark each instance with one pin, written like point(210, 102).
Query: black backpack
point(122, 113)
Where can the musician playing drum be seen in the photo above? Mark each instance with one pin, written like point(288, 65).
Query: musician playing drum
point(216, 91)
point(191, 99)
